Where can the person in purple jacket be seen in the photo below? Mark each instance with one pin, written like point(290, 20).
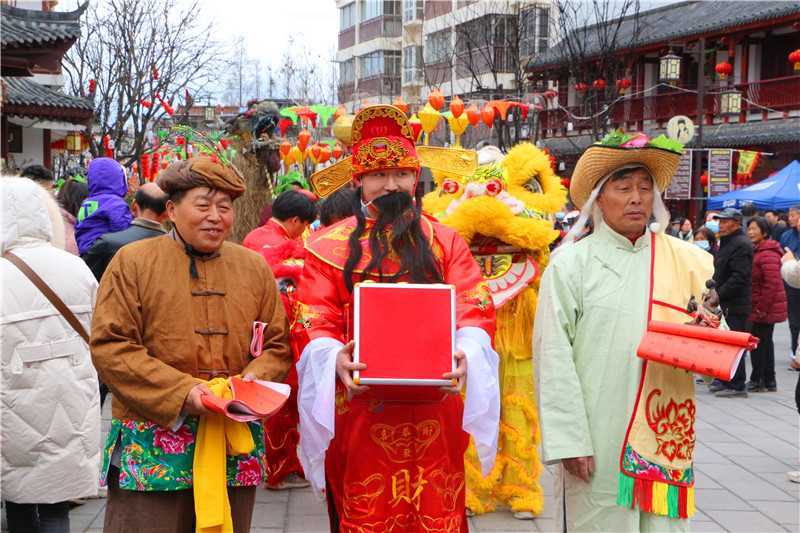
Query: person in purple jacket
point(105, 209)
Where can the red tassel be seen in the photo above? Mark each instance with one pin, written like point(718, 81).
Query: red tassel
point(682, 495)
point(646, 503)
point(638, 493)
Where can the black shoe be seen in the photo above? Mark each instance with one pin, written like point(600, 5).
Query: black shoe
point(755, 386)
point(772, 387)
point(731, 393)
point(716, 386)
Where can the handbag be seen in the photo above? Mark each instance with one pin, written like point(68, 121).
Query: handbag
point(48, 293)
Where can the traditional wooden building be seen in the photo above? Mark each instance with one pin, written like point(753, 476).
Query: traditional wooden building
point(755, 105)
point(35, 112)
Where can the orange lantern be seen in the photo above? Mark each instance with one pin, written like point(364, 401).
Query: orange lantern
point(302, 140)
point(599, 84)
point(794, 58)
point(487, 115)
point(724, 69)
point(315, 151)
point(502, 107)
point(456, 106)
point(341, 110)
point(337, 151)
point(324, 154)
point(623, 85)
point(400, 104)
point(473, 115)
point(436, 99)
point(285, 147)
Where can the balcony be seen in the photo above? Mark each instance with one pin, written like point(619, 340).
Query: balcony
point(413, 13)
point(779, 94)
point(347, 38)
point(382, 86)
point(385, 26)
point(412, 76)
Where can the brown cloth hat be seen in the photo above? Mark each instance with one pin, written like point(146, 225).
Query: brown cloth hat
point(201, 171)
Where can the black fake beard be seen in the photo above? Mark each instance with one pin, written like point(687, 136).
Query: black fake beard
point(393, 207)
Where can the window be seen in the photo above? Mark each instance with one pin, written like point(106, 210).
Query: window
point(371, 9)
point(391, 60)
point(347, 72)
point(347, 16)
point(412, 57)
point(413, 10)
point(380, 62)
point(535, 26)
point(437, 47)
point(392, 7)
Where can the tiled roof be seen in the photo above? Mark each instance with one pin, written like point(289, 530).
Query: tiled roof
point(26, 92)
point(26, 27)
point(733, 135)
point(675, 22)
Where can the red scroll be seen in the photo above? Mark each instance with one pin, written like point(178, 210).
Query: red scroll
point(708, 351)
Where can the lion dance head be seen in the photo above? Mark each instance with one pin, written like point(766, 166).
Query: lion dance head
point(505, 211)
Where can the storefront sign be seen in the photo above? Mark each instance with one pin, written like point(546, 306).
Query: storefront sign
point(719, 171)
point(681, 186)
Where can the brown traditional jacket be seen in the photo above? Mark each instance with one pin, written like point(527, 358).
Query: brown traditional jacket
point(157, 330)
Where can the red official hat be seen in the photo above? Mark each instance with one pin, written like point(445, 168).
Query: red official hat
point(382, 139)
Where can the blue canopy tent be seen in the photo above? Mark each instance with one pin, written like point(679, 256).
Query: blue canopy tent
point(780, 192)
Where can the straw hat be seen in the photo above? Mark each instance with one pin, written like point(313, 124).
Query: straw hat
point(659, 156)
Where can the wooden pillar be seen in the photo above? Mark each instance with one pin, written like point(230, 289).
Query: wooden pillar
point(744, 65)
point(4, 138)
point(47, 153)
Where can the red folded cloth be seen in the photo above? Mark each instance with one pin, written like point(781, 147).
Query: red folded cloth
point(252, 400)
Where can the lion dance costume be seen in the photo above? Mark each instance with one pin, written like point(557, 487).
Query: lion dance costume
point(504, 211)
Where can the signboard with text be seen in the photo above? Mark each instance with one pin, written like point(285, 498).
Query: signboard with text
point(681, 186)
point(720, 165)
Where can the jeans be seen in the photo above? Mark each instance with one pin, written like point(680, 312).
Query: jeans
point(763, 357)
point(37, 517)
point(737, 323)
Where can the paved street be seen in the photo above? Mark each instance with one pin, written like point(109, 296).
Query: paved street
point(745, 447)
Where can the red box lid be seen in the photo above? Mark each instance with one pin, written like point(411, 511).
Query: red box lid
point(404, 333)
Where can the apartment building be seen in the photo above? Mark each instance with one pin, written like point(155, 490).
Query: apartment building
point(473, 48)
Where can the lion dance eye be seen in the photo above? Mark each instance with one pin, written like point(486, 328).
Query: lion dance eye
point(494, 187)
point(450, 186)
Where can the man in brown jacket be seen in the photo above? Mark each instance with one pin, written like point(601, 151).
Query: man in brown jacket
point(174, 312)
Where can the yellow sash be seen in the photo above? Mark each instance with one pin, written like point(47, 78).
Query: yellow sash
point(217, 436)
point(656, 473)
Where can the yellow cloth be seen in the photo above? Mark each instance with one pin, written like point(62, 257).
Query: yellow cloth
point(217, 436)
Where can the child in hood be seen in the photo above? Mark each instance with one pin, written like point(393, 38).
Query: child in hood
point(105, 209)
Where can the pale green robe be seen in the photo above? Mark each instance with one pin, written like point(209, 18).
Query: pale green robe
point(592, 313)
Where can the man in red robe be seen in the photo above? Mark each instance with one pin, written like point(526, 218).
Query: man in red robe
point(391, 466)
point(280, 243)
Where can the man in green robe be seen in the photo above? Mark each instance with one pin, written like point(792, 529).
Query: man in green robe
point(594, 302)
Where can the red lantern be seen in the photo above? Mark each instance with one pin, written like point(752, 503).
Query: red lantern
point(436, 99)
point(400, 104)
point(599, 84)
point(473, 115)
point(523, 111)
point(324, 154)
point(551, 94)
point(456, 106)
point(92, 87)
point(416, 128)
point(723, 69)
point(704, 179)
point(302, 140)
point(794, 58)
point(581, 87)
point(146, 168)
point(146, 103)
point(316, 149)
point(285, 147)
point(487, 115)
point(337, 151)
point(623, 85)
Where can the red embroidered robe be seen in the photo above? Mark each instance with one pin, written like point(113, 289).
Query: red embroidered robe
point(285, 256)
point(392, 466)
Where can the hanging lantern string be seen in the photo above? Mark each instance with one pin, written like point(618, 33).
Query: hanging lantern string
point(647, 91)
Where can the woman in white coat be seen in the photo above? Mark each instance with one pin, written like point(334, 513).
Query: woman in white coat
point(50, 399)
